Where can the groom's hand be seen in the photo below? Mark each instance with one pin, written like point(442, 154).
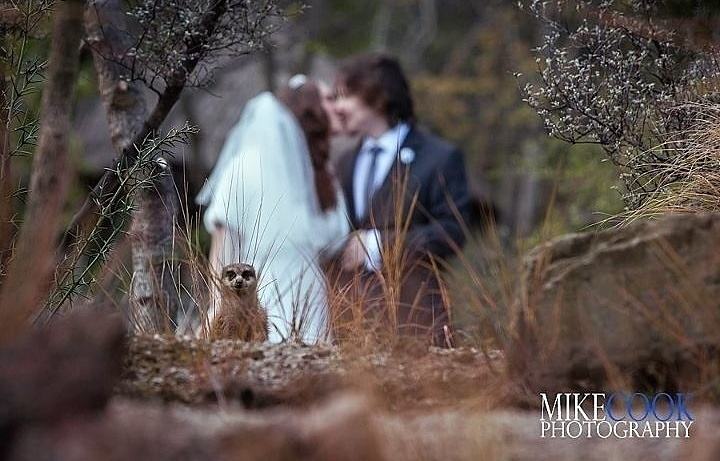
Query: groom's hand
point(354, 253)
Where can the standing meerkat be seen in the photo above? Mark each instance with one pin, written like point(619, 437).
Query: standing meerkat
point(240, 315)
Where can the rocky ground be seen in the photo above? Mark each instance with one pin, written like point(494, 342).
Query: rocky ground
point(263, 375)
point(82, 391)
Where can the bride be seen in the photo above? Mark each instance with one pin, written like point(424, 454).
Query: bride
point(273, 202)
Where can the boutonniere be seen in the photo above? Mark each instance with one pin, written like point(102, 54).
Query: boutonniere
point(407, 155)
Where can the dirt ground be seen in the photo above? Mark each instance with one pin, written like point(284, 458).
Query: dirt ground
point(167, 398)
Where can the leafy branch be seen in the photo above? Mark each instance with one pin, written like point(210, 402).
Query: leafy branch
point(77, 274)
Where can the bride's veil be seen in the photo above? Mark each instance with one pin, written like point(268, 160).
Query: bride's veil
point(267, 124)
point(263, 182)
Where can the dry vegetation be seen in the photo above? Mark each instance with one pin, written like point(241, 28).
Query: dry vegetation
point(411, 401)
point(83, 388)
point(689, 181)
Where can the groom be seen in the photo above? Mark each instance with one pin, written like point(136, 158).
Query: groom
point(407, 197)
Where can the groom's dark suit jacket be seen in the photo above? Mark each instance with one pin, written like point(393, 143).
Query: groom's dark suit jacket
point(419, 211)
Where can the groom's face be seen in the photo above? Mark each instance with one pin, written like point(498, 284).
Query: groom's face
point(357, 118)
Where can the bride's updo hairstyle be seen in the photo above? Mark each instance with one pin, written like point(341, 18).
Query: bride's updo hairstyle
point(303, 99)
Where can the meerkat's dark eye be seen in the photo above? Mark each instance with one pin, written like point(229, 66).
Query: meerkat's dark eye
point(230, 274)
point(246, 274)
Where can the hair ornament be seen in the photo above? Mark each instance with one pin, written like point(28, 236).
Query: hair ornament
point(296, 81)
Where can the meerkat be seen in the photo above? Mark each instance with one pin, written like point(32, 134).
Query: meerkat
point(240, 315)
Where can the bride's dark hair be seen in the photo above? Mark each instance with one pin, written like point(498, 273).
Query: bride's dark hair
point(305, 103)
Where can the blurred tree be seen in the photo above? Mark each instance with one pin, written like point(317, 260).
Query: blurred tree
point(627, 76)
point(6, 181)
point(21, 72)
point(30, 270)
point(165, 46)
point(137, 45)
point(154, 299)
point(462, 77)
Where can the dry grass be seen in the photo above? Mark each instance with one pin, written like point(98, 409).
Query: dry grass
point(637, 312)
point(491, 303)
point(689, 180)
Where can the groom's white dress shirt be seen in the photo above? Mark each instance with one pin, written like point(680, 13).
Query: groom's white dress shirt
point(389, 144)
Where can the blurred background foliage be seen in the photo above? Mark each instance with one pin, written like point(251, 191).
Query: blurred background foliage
point(467, 60)
point(462, 58)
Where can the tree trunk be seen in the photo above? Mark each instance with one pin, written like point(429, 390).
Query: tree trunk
point(529, 195)
point(124, 103)
point(381, 26)
point(153, 299)
point(419, 38)
point(31, 267)
point(98, 29)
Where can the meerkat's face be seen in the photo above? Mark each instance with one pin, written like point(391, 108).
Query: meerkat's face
point(240, 278)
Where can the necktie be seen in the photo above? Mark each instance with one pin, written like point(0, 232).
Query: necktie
point(370, 181)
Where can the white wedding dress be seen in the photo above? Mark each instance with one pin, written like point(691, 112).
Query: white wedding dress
point(262, 191)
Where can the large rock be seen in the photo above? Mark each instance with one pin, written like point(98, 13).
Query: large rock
point(341, 428)
point(60, 373)
point(635, 306)
point(346, 427)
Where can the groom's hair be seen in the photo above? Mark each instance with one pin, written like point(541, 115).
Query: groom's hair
point(380, 82)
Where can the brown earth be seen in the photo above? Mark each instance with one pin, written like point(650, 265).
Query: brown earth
point(180, 399)
point(263, 375)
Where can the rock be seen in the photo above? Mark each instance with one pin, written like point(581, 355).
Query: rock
point(303, 391)
point(315, 419)
point(65, 371)
point(120, 433)
point(340, 428)
point(705, 443)
point(628, 306)
point(347, 427)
